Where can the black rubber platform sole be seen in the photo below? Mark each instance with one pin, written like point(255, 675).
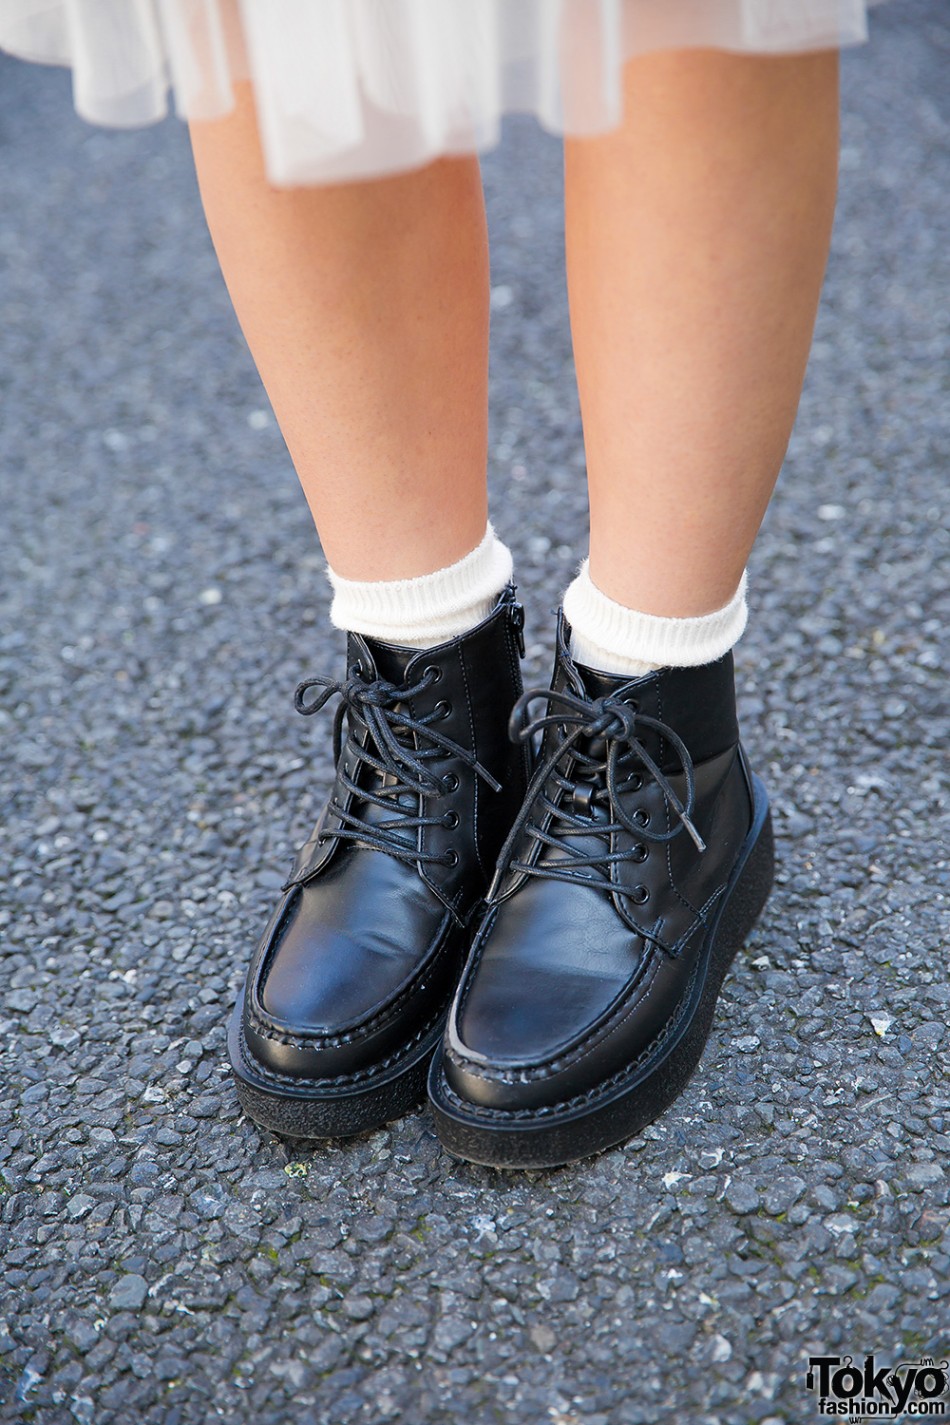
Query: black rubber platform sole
point(337, 1108)
point(565, 1133)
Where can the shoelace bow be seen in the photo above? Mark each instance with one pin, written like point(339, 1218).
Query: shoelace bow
point(374, 704)
point(585, 719)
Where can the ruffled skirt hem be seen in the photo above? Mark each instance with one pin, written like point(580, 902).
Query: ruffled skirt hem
point(358, 88)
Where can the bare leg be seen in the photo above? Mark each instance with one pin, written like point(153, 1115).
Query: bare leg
point(697, 237)
point(365, 306)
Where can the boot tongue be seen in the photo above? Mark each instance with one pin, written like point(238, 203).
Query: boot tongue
point(598, 684)
point(594, 681)
point(656, 696)
point(595, 684)
point(698, 703)
point(388, 660)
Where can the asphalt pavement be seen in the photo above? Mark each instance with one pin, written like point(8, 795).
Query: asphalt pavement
point(161, 594)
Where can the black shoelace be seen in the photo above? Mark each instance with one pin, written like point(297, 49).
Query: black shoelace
point(375, 707)
point(600, 781)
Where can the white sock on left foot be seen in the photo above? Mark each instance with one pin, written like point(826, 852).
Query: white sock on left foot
point(614, 639)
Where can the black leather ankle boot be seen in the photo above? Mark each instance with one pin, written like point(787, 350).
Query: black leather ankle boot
point(636, 868)
point(346, 997)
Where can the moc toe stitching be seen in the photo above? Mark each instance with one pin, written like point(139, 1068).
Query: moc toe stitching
point(270, 1027)
point(355, 1076)
point(574, 1053)
point(595, 1093)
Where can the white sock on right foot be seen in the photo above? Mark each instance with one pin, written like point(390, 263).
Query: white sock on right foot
point(421, 612)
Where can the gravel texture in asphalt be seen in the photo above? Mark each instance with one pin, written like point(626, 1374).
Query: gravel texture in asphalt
point(161, 594)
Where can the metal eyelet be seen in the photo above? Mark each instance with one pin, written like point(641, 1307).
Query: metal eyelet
point(450, 782)
point(450, 820)
point(636, 782)
point(435, 670)
point(641, 817)
point(639, 895)
point(443, 708)
point(451, 857)
point(639, 853)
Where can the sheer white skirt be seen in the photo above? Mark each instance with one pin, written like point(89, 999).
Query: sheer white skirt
point(358, 88)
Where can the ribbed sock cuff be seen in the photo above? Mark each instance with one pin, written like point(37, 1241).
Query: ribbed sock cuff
point(614, 639)
point(418, 613)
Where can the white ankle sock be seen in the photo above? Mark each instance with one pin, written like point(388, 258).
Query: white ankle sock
point(418, 613)
point(615, 639)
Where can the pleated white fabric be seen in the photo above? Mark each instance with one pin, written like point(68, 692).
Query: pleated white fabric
point(358, 88)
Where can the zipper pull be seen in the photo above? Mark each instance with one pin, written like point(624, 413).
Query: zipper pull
point(516, 615)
